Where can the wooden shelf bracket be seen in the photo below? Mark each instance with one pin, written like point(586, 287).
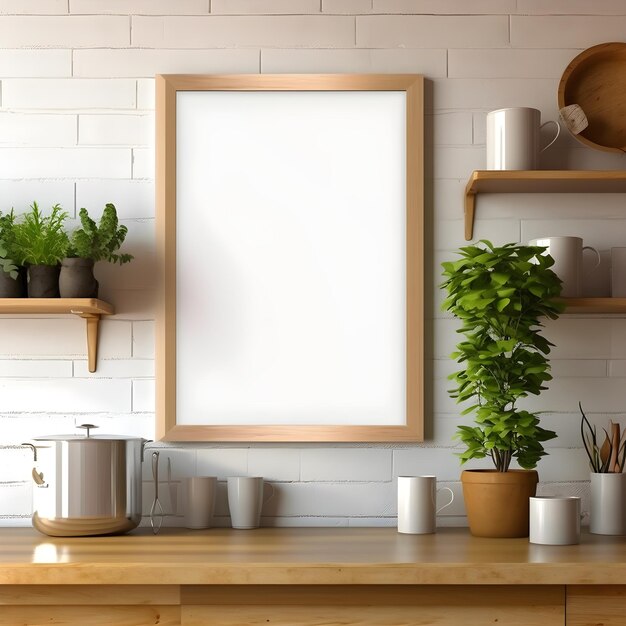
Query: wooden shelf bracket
point(470, 207)
point(538, 181)
point(92, 323)
point(90, 309)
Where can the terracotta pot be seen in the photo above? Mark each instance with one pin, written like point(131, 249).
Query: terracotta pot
point(43, 281)
point(497, 502)
point(77, 280)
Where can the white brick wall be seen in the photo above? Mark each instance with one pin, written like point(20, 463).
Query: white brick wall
point(76, 118)
point(109, 63)
point(280, 61)
point(64, 32)
point(27, 63)
point(68, 94)
point(18, 129)
point(429, 31)
point(282, 31)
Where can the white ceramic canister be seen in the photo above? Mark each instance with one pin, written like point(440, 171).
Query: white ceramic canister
point(608, 504)
point(554, 520)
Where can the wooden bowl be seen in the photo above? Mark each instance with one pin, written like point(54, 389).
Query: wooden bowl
point(596, 81)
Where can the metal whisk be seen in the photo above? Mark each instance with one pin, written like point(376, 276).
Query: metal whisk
point(156, 510)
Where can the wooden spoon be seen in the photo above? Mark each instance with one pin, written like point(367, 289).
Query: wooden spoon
point(605, 450)
point(615, 437)
point(574, 118)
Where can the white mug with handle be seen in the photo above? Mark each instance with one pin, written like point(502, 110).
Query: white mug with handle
point(514, 138)
point(417, 504)
point(618, 272)
point(567, 253)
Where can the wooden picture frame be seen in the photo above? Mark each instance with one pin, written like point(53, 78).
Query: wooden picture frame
point(168, 427)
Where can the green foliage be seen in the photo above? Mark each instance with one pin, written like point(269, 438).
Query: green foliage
point(7, 236)
point(39, 239)
point(500, 294)
point(100, 242)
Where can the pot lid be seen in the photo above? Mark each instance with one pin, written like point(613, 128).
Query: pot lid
point(87, 436)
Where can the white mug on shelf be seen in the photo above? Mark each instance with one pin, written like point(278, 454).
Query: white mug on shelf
point(513, 138)
point(245, 500)
point(567, 253)
point(417, 508)
point(618, 272)
point(554, 520)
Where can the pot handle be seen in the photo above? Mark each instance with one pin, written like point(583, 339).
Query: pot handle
point(32, 447)
point(144, 443)
point(37, 476)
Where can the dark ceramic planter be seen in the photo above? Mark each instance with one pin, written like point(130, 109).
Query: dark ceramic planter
point(13, 288)
point(76, 279)
point(43, 281)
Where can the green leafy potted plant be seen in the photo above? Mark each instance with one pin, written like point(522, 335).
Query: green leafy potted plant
point(500, 294)
point(40, 243)
point(88, 244)
point(12, 277)
point(608, 481)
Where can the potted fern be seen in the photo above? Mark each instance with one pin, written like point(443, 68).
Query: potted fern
point(88, 244)
point(12, 277)
point(39, 243)
point(500, 294)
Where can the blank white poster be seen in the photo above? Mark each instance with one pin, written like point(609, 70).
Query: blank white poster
point(291, 254)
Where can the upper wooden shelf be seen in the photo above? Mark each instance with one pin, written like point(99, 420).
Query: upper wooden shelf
point(88, 308)
point(538, 181)
point(594, 305)
point(75, 306)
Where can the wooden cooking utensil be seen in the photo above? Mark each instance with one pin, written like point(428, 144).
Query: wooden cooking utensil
point(574, 118)
point(605, 451)
point(615, 437)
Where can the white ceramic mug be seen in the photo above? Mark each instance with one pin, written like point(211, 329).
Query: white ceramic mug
point(608, 504)
point(554, 520)
point(199, 501)
point(618, 272)
point(567, 253)
point(245, 500)
point(417, 508)
point(513, 138)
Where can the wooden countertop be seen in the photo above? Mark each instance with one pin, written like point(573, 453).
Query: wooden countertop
point(304, 556)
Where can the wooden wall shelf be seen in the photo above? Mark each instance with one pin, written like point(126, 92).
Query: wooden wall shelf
point(90, 309)
point(594, 305)
point(538, 181)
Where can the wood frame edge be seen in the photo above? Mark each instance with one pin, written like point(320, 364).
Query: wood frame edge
point(167, 85)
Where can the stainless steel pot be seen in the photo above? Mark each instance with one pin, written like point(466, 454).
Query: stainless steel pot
point(85, 484)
